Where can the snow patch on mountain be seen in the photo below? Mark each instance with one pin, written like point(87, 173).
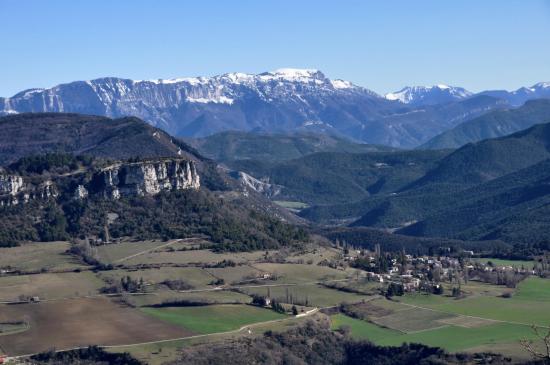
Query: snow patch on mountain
point(541, 85)
point(341, 84)
point(220, 99)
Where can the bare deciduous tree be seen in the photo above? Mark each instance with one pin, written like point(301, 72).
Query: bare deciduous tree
point(544, 338)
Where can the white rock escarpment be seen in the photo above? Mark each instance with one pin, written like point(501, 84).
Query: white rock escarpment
point(259, 186)
point(14, 190)
point(11, 184)
point(148, 178)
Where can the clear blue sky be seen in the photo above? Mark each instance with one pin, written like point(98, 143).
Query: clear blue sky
point(382, 45)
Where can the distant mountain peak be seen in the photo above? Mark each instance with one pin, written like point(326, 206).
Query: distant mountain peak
point(429, 95)
point(541, 85)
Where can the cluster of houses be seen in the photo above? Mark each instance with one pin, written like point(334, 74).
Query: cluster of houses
point(412, 272)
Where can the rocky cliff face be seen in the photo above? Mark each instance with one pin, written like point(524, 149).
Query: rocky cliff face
point(14, 190)
point(146, 178)
point(115, 181)
point(249, 182)
point(10, 184)
point(284, 100)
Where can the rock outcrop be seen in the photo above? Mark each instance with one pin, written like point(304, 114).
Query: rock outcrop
point(10, 184)
point(112, 182)
point(146, 178)
point(259, 186)
point(14, 190)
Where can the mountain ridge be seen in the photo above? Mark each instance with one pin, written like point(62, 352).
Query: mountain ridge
point(442, 93)
point(494, 124)
point(36, 133)
point(285, 100)
point(236, 145)
point(492, 189)
point(429, 95)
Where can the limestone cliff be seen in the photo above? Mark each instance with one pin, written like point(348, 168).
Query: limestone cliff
point(10, 184)
point(112, 182)
point(14, 190)
point(146, 178)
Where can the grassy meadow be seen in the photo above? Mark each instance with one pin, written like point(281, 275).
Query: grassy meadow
point(213, 318)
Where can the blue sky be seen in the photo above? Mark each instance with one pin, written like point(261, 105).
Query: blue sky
point(382, 45)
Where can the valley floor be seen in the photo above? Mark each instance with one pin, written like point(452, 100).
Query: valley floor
point(72, 308)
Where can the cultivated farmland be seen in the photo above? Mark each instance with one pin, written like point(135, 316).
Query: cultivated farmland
point(80, 322)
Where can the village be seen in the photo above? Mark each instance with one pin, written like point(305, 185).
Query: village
point(404, 272)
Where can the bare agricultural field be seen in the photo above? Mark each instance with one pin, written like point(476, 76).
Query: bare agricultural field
point(80, 322)
point(161, 353)
point(49, 286)
point(38, 256)
point(301, 273)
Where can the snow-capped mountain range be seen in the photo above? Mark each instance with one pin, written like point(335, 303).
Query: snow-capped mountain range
point(278, 101)
point(184, 105)
point(438, 94)
point(429, 95)
point(523, 94)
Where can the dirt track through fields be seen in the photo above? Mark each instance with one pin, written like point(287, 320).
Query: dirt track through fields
point(80, 322)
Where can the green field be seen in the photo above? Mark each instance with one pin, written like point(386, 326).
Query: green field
point(483, 320)
point(451, 338)
point(535, 289)
point(161, 353)
point(501, 262)
point(528, 306)
point(213, 318)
